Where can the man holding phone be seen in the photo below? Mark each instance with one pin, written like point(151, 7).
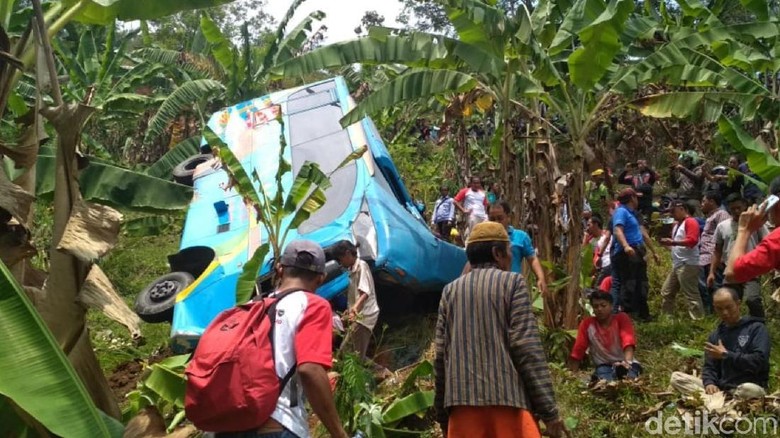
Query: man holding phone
point(743, 266)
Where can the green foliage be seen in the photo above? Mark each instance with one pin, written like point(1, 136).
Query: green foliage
point(760, 161)
point(183, 97)
point(361, 409)
point(162, 386)
point(355, 386)
point(109, 184)
point(37, 375)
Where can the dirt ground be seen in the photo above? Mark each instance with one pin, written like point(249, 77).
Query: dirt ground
point(125, 376)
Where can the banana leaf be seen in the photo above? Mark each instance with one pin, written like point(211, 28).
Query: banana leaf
point(106, 184)
point(760, 161)
point(105, 11)
point(37, 375)
point(417, 402)
point(411, 86)
point(183, 97)
point(146, 225)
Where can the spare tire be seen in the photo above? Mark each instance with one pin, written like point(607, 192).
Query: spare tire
point(155, 303)
point(184, 171)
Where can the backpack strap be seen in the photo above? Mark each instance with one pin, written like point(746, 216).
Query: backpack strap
point(271, 312)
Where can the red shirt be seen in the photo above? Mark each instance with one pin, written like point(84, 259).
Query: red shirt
point(761, 260)
point(606, 284)
point(606, 344)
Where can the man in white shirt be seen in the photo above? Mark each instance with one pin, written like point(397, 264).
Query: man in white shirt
point(472, 202)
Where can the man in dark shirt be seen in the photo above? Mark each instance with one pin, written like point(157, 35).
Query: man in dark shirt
point(737, 352)
point(491, 371)
point(642, 178)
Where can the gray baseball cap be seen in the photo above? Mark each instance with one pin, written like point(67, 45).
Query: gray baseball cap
point(304, 254)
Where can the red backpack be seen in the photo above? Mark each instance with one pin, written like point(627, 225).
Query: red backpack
point(232, 385)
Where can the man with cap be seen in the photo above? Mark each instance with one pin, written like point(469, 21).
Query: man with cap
point(743, 264)
point(684, 275)
point(486, 333)
point(302, 339)
point(628, 255)
point(596, 193)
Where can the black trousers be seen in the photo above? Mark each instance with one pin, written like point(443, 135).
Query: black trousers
point(632, 274)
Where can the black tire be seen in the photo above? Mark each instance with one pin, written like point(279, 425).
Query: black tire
point(183, 171)
point(155, 303)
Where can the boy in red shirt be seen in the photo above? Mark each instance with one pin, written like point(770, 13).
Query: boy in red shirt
point(609, 338)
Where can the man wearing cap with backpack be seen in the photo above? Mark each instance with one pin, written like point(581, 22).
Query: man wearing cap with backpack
point(255, 363)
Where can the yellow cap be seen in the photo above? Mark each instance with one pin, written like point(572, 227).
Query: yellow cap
point(488, 232)
point(597, 172)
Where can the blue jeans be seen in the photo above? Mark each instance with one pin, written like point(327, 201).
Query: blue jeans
point(706, 292)
point(254, 434)
point(611, 373)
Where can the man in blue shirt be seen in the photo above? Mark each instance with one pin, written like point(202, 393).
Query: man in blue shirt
point(443, 217)
point(521, 244)
point(628, 255)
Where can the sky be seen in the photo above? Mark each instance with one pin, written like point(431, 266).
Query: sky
point(342, 16)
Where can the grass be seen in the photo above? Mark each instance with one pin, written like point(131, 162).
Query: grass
point(138, 260)
point(131, 265)
point(597, 416)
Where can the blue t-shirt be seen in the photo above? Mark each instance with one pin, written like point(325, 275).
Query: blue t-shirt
point(522, 247)
point(626, 218)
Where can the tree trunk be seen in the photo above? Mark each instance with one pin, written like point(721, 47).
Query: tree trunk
point(541, 200)
point(509, 170)
point(573, 259)
point(59, 306)
point(462, 152)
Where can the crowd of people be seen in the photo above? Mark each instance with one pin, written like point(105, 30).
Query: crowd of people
point(491, 374)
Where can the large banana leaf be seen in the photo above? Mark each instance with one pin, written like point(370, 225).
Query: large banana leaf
point(600, 43)
point(480, 25)
point(761, 162)
point(579, 16)
point(163, 167)
point(221, 47)
point(411, 86)
point(105, 11)
point(416, 49)
point(419, 401)
point(107, 184)
point(37, 375)
point(185, 96)
point(685, 43)
point(700, 105)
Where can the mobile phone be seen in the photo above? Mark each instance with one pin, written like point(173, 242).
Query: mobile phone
point(770, 202)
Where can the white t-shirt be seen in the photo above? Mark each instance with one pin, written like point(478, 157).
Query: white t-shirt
point(361, 280)
point(606, 258)
point(476, 201)
point(303, 334)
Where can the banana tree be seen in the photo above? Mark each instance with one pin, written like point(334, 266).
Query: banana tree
point(38, 380)
point(82, 232)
